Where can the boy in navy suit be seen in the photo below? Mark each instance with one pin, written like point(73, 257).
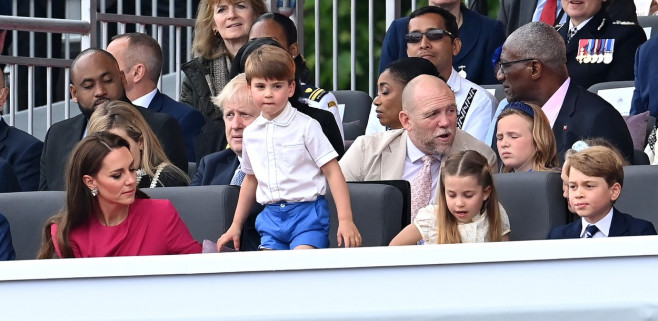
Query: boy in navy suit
point(596, 175)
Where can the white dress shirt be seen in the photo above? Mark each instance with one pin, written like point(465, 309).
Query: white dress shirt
point(603, 225)
point(482, 108)
point(145, 100)
point(286, 155)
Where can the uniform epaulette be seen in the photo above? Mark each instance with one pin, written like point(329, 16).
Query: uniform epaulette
point(626, 23)
point(315, 94)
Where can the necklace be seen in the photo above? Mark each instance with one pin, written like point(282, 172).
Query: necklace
point(140, 172)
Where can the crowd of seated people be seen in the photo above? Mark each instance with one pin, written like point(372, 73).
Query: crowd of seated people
point(434, 126)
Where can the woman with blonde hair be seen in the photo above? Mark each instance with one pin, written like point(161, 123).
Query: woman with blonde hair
point(221, 29)
point(525, 139)
point(154, 168)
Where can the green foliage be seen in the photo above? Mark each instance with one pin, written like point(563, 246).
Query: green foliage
point(344, 37)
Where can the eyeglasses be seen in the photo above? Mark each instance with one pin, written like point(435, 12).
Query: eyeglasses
point(432, 35)
point(502, 66)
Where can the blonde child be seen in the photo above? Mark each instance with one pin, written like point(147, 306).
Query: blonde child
point(525, 139)
point(595, 175)
point(467, 210)
point(287, 161)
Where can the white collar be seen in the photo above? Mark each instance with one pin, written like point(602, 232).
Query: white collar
point(454, 81)
point(580, 26)
point(603, 224)
point(283, 119)
point(145, 100)
point(414, 154)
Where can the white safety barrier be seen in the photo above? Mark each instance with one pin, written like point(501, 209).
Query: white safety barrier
point(598, 279)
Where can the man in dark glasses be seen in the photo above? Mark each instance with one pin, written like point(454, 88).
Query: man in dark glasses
point(433, 34)
point(479, 34)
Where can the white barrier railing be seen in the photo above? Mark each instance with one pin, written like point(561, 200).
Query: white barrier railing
point(597, 279)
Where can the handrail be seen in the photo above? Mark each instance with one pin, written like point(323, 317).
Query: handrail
point(147, 20)
point(35, 61)
point(44, 25)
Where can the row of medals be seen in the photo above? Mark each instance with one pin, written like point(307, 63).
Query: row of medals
point(593, 56)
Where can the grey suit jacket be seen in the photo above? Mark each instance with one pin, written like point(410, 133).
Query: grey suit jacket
point(381, 156)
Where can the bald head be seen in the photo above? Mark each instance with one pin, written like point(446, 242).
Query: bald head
point(424, 86)
point(95, 79)
point(429, 114)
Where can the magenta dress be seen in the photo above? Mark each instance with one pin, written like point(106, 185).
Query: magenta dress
point(153, 227)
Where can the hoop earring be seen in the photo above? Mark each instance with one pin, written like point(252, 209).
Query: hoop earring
point(94, 192)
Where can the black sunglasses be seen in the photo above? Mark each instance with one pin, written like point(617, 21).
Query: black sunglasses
point(432, 35)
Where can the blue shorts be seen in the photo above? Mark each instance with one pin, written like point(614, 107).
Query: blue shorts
point(284, 226)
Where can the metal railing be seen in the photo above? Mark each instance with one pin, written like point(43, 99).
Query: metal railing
point(92, 28)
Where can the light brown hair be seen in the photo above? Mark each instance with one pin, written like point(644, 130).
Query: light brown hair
point(466, 163)
point(543, 139)
point(270, 62)
point(598, 161)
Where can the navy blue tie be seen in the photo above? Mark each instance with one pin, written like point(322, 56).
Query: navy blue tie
point(590, 231)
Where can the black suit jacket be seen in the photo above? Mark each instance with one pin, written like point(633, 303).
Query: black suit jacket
point(218, 169)
point(627, 39)
point(22, 152)
point(8, 181)
point(188, 118)
point(62, 137)
point(621, 225)
point(586, 115)
point(516, 13)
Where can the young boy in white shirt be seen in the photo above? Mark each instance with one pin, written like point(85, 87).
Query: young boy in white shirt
point(287, 161)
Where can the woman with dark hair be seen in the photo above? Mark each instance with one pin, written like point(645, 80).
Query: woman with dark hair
point(105, 214)
point(388, 103)
point(325, 118)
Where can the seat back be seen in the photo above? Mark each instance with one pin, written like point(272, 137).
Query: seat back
point(533, 201)
point(377, 211)
point(191, 169)
point(638, 193)
point(27, 213)
point(649, 24)
point(496, 90)
point(617, 93)
point(206, 210)
point(357, 108)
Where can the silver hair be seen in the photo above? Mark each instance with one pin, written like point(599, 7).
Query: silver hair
point(539, 41)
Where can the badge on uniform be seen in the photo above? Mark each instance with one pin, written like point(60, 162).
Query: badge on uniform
point(462, 72)
point(595, 51)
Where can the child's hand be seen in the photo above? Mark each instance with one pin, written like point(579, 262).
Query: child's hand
point(348, 233)
point(233, 234)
